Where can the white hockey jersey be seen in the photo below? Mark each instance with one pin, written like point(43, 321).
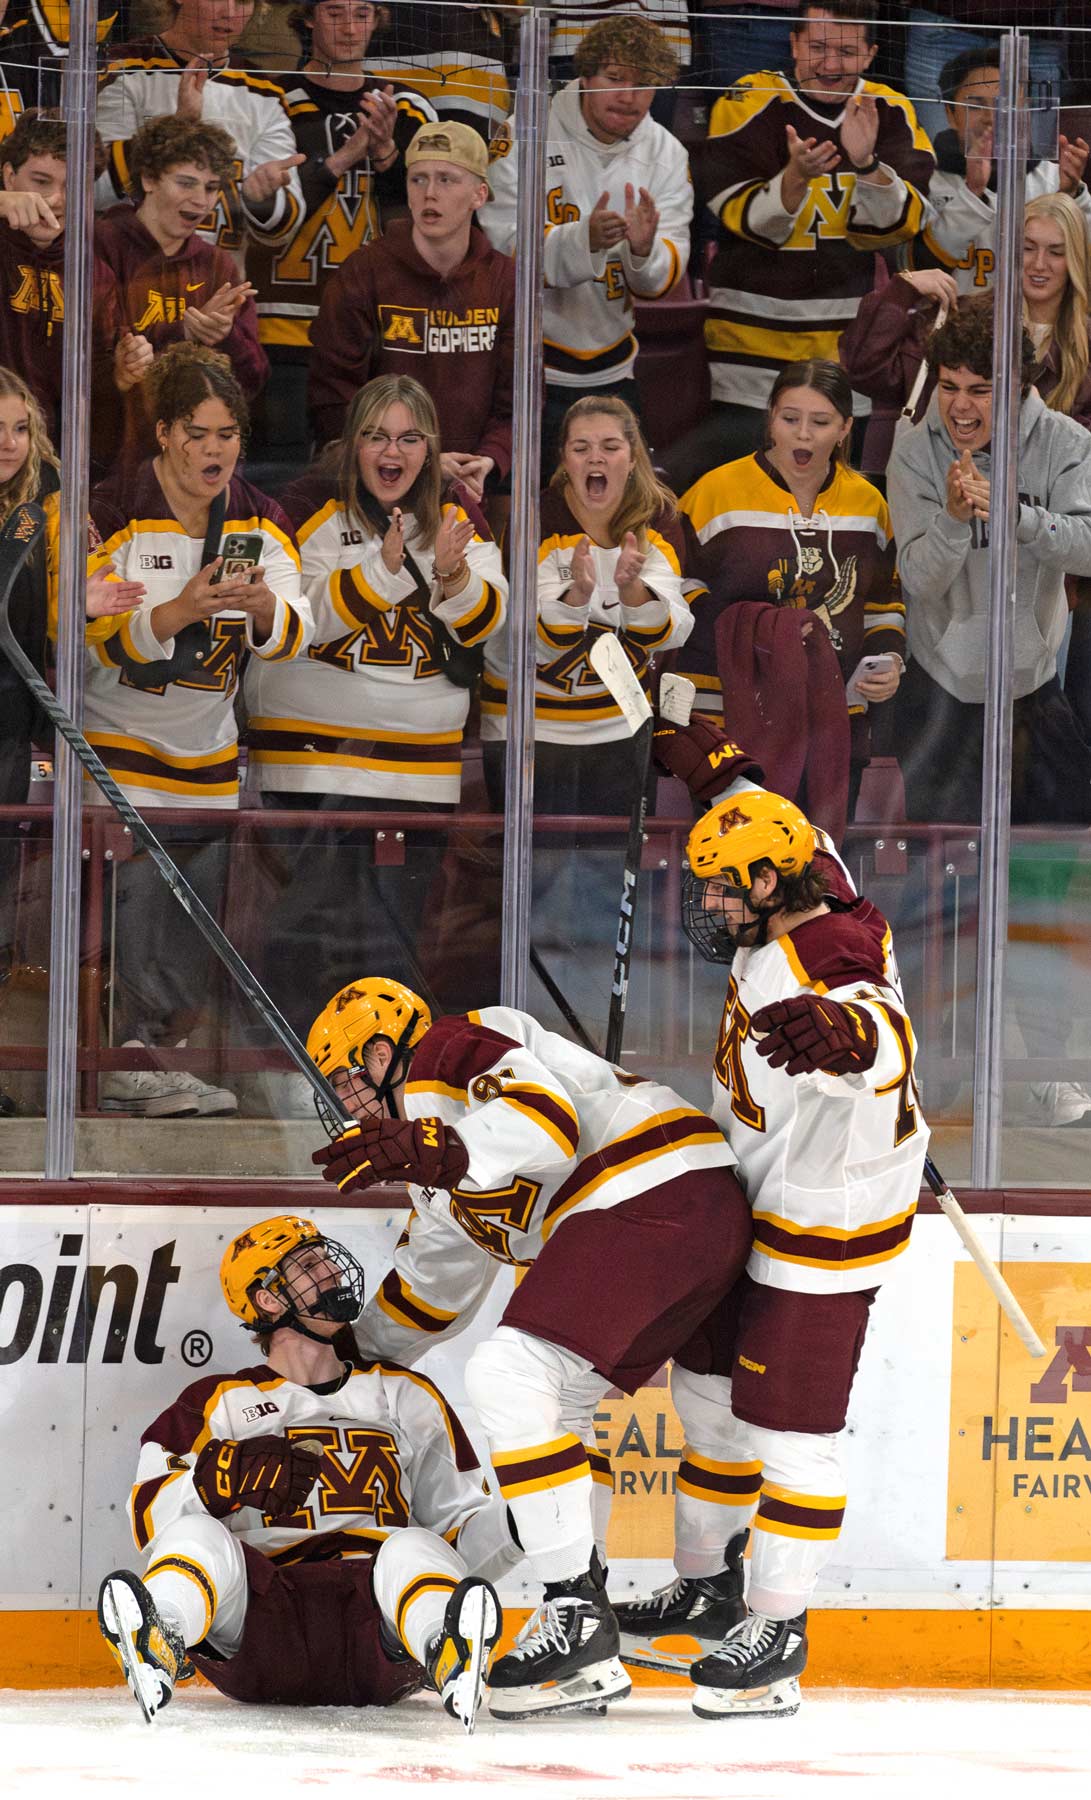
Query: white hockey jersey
point(394, 1454)
point(571, 705)
point(175, 743)
point(587, 319)
point(551, 1130)
point(142, 83)
point(831, 1164)
point(368, 710)
point(960, 232)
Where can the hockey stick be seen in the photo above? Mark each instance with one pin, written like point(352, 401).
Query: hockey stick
point(615, 671)
point(17, 539)
point(1024, 1330)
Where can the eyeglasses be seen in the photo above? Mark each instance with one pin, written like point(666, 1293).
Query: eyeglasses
point(382, 440)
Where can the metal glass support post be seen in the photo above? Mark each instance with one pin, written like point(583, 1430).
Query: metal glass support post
point(531, 116)
point(1012, 128)
point(61, 1039)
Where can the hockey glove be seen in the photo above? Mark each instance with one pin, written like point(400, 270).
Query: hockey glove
point(423, 1151)
point(702, 756)
point(809, 1033)
point(267, 1472)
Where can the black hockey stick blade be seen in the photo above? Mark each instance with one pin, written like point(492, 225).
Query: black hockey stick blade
point(17, 540)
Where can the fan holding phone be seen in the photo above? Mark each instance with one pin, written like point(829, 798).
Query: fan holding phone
point(220, 567)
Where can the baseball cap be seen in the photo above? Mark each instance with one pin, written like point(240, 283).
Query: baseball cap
point(450, 142)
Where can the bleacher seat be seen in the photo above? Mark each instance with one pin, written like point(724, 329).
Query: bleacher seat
point(672, 365)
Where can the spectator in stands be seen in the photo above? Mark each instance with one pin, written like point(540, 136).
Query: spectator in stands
point(461, 58)
point(169, 285)
point(808, 175)
point(34, 171)
point(29, 470)
point(939, 485)
point(160, 693)
point(432, 299)
point(959, 234)
point(33, 53)
point(883, 350)
point(618, 213)
point(793, 539)
point(354, 132)
point(610, 559)
point(192, 69)
point(932, 41)
point(404, 592)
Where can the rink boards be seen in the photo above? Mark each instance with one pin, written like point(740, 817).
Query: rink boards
point(966, 1553)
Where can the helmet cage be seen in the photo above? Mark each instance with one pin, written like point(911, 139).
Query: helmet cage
point(301, 1294)
point(708, 930)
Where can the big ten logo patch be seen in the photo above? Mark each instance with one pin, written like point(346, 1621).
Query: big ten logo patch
point(404, 327)
point(1019, 1470)
point(643, 1437)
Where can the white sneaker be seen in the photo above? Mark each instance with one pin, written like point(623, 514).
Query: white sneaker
point(161, 1093)
point(278, 1094)
point(1061, 1103)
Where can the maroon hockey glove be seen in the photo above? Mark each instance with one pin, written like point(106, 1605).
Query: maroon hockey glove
point(267, 1472)
point(702, 756)
point(809, 1033)
point(418, 1150)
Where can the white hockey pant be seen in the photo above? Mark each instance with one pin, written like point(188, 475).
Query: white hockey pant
point(536, 1404)
point(197, 1577)
point(793, 1481)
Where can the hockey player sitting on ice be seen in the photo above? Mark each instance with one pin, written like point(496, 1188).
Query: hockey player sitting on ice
point(813, 1085)
point(317, 1533)
point(618, 1200)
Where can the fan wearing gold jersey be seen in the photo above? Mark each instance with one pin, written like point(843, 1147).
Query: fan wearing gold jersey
point(617, 1201)
point(309, 1524)
point(814, 1088)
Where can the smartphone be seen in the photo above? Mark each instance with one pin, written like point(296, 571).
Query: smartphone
point(241, 550)
point(877, 665)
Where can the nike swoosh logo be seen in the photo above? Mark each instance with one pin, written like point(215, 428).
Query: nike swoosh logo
point(192, 286)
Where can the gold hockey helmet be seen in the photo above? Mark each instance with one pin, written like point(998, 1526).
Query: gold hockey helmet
point(363, 1010)
point(255, 1259)
point(751, 828)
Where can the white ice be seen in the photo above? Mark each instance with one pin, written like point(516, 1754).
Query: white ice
point(843, 1746)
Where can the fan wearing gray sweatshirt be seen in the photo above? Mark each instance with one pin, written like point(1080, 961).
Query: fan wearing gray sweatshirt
point(938, 490)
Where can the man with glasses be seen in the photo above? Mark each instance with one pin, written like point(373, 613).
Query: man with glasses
point(431, 299)
point(808, 174)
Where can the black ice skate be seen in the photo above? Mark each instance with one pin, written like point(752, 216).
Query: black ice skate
point(565, 1658)
point(150, 1654)
point(458, 1662)
point(754, 1672)
point(687, 1620)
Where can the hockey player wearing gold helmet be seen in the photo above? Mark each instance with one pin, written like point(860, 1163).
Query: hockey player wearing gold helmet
point(316, 1533)
point(813, 1086)
point(618, 1202)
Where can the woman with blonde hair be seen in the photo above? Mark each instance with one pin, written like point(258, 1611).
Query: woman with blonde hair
point(29, 470)
point(883, 350)
point(610, 560)
point(404, 591)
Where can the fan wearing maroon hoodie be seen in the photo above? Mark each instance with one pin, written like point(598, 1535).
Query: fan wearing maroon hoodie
point(169, 285)
point(33, 167)
point(431, 298)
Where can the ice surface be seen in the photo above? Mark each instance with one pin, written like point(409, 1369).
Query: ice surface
point(916, 1745)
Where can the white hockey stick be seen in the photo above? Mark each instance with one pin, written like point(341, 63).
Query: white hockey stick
point(1022, 1326)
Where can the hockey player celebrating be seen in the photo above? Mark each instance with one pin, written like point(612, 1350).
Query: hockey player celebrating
point(616, 1198)
point(310, 1526)
point(813, 1086)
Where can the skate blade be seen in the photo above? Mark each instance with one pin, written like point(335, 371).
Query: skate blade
point(659, 1653)
point(479, 1626)
point(121, 1619)
point(588, 1690)
point(779, 1700)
